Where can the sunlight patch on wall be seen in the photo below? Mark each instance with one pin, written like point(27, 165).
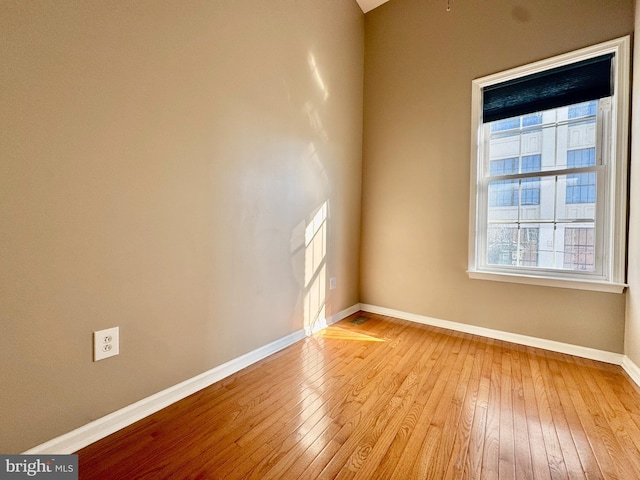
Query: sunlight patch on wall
point(314, 120)
point(309, 108)
point(315, 274)
point(317, 77)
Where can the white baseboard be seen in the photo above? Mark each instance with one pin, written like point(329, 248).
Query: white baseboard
point(323, 322)
point(81, 437)
point(624, 361)
point(632, 369)
point(104, 426)
point(578, 351)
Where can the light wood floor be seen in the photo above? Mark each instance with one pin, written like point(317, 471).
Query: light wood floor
point(390, 399)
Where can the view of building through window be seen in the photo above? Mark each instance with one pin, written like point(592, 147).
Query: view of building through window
point(545, 221)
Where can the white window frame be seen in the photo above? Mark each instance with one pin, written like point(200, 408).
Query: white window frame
point(612, 219)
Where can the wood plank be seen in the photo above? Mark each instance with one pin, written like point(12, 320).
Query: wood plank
point(557, 465)
point(433, 458)
point(523, 464)
point(359, 422)
point(506, 449)
point(375, 446)
point(557, 416)
point(601, 403)
point(491, 451)
point(269, 453)
point(578, 434)
point(460, 448)
point(539, 460)
point(421, 431)
point(276, 450)
point(473, 462)
point(410, 422)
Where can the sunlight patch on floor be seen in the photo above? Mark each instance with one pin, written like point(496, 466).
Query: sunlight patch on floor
point(338, 333)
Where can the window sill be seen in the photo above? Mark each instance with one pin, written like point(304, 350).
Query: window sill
point(593, 285)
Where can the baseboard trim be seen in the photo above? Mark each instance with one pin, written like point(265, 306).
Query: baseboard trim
point(324, 322)
point(578, 351)
point(87, 434)
point(632, 369)
point(81, 437)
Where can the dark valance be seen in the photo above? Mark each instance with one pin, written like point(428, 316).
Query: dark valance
point(574, 83)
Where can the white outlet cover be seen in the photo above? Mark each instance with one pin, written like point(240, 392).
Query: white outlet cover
point(106, 343)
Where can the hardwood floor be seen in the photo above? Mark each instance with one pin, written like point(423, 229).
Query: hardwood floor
point(390, 399)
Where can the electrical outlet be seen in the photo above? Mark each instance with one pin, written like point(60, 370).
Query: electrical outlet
point(106, 343)
point(332, 283)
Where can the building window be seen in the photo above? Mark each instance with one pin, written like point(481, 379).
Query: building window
point(587, 109)
point(579, 249)
point(517, 122)
point(581, 187)
point(548, 199)
point(503, 193)
point(509, 193)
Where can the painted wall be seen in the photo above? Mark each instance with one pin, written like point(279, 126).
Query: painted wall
point(161, 161)
point(419, 64)
point(632, 331)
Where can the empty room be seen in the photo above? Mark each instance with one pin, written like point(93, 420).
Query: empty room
point(319, 239)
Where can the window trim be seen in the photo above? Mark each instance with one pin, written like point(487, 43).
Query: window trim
point(613, 277)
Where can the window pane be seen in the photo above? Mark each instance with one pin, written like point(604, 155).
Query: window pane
point(537, 200)
point(528, 254)
point(581, 188)
point(531, 233)
point(516, 122)
point(503, 193)
point(583, 157)
point(531, 163)
point(501, 244)
point(579, 248)
point(528, 217)
point(530, 191)
point(507, 124)
point(560, 138)
point(583, 109)
point(509, 244)
point(503, 166)
point(576, 198)
point(532, 119)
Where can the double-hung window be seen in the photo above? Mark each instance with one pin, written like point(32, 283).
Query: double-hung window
point(549, 171)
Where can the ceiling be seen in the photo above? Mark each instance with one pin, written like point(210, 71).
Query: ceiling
point(367, 5)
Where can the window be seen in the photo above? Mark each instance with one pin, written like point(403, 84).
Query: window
point(517, 122)
point(581, 187)
point(579, 249)
point(549, 166)
point(509, 193)
point(511, 245)
point(587, 109)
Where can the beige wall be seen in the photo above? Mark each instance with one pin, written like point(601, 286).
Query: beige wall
point(419, 64)
point(632, 331)
point(160, 161)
